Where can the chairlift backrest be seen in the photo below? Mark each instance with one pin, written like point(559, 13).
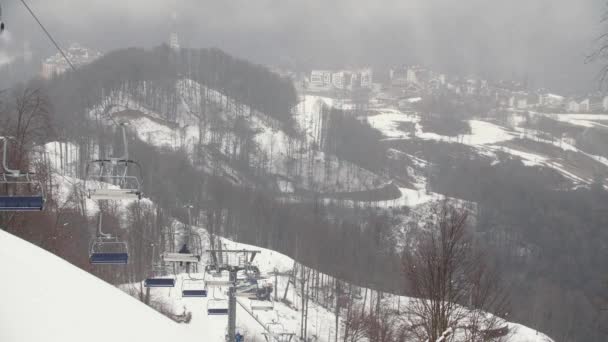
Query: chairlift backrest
point(194, 288)
point(107, 249)
point(159, 282)
point(109, 179)
point(217, 307)
point(19, 201)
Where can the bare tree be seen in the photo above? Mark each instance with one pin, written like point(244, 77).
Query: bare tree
point(601, 51)
point(452, 284)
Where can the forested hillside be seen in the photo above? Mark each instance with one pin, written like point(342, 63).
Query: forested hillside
point(347, 193)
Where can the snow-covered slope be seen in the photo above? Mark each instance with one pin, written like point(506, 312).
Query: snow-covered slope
point(253, 323)
point(290, 159)
point(44, 298)
point(512, 138)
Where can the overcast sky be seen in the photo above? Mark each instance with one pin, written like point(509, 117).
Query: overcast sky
point(543, 40)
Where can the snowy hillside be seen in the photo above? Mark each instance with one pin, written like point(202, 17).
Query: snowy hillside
point(488, 138)
point(253, 323)
point(47, 299)
point(288, 158)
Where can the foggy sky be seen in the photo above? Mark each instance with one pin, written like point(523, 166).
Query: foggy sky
point(545, 41)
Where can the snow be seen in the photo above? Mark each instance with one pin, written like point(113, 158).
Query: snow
point(411, 198)
point(486, 137)
point(482, 133)
point(388, 121)
point(59, 302)
point(583, 120)
point(524, 334)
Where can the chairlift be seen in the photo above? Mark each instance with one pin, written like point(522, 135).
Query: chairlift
point(111, 179)
point(261, 305)
point(217, 306)
point(276, 332)
point(17, 180)
point(159, 279)
point(194, 288)
point(106, 249)
point(180, 257)
point(159, 282)
point(217, 279)
point(192, 254)
point(254, 290)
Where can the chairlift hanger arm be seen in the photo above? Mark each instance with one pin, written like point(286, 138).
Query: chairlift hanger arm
point(5, 141)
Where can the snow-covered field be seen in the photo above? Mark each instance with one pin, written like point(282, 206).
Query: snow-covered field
point(59, 302)
point(488, 138)
point(277, 152)
point(583, 120)
point(44, 298)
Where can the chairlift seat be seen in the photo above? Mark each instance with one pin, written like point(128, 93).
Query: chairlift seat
point(218, 282)
point(109, 258)
point(194, 293)
point(261, 305)
point(180, 257)
point(21, 203)
point(217, 307)
point(194, 288)
point(159, 282)
point(114, 194)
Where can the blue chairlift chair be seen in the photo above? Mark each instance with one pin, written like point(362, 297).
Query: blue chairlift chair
point(160, 278)
point(106, 249)
point(194, 288)
point(13, 197)
point(112, 179)
point(217, 307)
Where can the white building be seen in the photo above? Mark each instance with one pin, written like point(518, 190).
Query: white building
point(320, 78)
point(78, 56)
point(585, 105)
point(411, 76)
point(551, 100)
point(366, 78)
point(354, 81)
point(174, 41)
point(442, 79)
point(338, 79)
point(573, 106)
point(519, 101)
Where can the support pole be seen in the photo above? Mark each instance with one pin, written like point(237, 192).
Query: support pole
point(232, 307)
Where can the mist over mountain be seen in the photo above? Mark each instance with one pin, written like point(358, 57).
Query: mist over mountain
point(544, 42)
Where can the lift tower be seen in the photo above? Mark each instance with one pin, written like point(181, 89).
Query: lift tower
point(231, 261)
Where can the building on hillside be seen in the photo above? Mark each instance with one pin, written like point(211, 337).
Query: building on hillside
point(411, 76)
point(549, 100)
point(366, 78)
point(533, 100)
point(519, 100)
point(573, 106)
point(338, 79)
point(320, 78)
point(398, 77)
point(585, 106)
point(470, 87)
point(354, 81)
point(174, 41)
point(596, 104)
point(173, 38)
point(78, 56)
